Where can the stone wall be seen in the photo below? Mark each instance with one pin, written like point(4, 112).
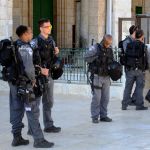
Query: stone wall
point(121, 9)
point(92, 21)
point(135, 3)
point(6, 18)
point(65, 21)
point(22, 13)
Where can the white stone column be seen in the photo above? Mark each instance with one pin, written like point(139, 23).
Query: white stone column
point(92, 21)
point(78, 22)
point(84, 23)
point(6, 18)
point(109, 17)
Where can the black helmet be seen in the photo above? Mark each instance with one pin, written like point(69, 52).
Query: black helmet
point(115, 70)
point(57, 68)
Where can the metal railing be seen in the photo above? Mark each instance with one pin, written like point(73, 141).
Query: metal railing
point(75, 68)
point(74, 65)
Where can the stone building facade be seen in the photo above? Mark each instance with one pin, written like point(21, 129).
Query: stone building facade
point(75, 22)
point(6, 21)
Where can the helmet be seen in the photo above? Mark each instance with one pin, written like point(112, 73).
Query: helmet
point(57, 68)
point(115, 70)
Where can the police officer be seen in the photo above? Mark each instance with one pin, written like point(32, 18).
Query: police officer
point(101, 55)
point(128, 39)
point(44, 53)
point(136, 64)
point(131, 37)
point(21, 103)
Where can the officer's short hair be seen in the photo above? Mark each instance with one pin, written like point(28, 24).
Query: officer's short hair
point(20, 30)
point(107, 37)
point(139, 34)
point(42, 21)
point(132, 29)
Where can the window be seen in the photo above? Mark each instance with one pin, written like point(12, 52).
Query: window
point(138, 10)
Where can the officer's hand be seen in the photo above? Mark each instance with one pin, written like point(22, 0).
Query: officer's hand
point(34, 83)
point(56, 50)
point(44, 71)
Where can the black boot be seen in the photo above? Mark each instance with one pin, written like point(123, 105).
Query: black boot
point(52, 129)
point(43, 144)
point(18, 140)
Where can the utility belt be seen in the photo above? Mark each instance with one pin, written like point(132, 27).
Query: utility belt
point(102, 73)
point(132, 68)
point(23, 84)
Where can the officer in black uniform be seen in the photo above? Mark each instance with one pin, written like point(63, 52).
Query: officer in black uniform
point(136, 64)
point(45, 52)
point(129, 39)
point(20, 87)
point(100, 55)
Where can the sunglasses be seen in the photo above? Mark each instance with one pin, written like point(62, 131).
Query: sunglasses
point(47, 27)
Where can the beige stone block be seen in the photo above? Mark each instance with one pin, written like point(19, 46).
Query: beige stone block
point(93, 36)
point(69, 27)
point(93, 29)
point(93, 20)
point(16, 3)
point(25, 21)
point(3, 13)
point(16, 21)
point(93, 12)
point(58, 12)
point(71, 20)
point(147, 80)
point(17, 12)
point(70, 4)
point(62, 4)
point(93, 4)
point(69, 12)
point(4, 28)
point(25, 12)
point(10, 3)
point(10, 13)
point(10, 29)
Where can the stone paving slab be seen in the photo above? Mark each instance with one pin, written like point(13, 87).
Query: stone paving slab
point(130, 130)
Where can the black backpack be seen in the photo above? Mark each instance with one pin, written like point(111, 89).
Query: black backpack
point(6, 52)
point(10, 60)
point(115, 70)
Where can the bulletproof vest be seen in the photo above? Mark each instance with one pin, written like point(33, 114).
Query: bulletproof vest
point(100, 65)
point(135, 55)
point(45, 50)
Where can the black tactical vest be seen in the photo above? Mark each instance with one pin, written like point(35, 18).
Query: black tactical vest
point(136, 56)
point(45, 51)
point(105, 57)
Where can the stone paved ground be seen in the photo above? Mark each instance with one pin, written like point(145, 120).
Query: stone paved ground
point(130, 130)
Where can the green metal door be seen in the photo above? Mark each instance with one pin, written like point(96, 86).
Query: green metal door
point(41, 9)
